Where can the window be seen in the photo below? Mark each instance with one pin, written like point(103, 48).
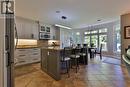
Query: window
point(103, 41)
point(103, 30)
point(97, 37)
point(95, 31)
point(87, 32)
point(87, 40)
point(94, 40)
point(117, 39)
point(77, 33)
point(78, 39)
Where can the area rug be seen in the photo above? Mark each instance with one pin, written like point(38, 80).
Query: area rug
point(112, 61)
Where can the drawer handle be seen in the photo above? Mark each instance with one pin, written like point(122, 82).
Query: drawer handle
point(21, 55)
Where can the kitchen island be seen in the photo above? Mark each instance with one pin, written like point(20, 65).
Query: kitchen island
point(50, 61)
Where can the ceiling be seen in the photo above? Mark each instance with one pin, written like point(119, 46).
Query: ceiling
point(79, 13)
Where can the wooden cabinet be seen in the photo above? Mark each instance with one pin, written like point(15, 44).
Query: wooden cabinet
point(26, 56)
point(27, 29)
point(53, 63)
point(50, 62)
point(44, 60)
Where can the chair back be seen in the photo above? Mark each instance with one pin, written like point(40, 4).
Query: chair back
point(76, 51)
point(67, 52)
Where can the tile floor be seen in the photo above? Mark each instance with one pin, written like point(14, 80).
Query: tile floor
point(95, 74)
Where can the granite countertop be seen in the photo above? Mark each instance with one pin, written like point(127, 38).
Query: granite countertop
point(53, 48)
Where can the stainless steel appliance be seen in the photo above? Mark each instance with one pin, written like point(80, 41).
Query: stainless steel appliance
point(43, 36)
point(9, 49)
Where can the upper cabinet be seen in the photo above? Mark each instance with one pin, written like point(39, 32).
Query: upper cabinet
point(30, 29)
point(26, 29)
point(48, 31)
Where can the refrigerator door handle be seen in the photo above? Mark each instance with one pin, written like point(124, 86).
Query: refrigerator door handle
point(7, 59)
point(7, 42)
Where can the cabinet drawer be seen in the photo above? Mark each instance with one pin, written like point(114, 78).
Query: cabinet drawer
point(34, 50)
point(21, 52)
point(21, 61)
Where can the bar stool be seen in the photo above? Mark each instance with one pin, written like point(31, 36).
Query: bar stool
point(66, 58)
point(84, 54)
point(75, 57)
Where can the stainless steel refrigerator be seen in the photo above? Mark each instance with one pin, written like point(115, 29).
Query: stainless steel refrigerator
point(9, 48)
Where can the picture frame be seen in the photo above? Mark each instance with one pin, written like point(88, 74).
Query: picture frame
point(127, 32)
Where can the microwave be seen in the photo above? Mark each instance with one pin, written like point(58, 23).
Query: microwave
point(43, 35)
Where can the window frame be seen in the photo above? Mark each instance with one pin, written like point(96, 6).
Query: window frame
point(98, 34)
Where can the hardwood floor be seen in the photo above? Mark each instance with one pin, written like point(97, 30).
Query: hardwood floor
point(95, 74)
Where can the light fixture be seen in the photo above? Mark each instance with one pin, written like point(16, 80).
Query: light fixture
point(57, 25)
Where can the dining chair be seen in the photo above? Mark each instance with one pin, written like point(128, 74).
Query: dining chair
point(99, 51)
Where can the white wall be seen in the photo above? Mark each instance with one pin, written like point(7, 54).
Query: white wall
point(110, 35)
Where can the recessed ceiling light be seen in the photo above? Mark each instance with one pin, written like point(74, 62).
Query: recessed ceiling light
point(99, 20)
point(57, 11)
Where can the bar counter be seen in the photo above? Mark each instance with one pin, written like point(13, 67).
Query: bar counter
point(50, 61)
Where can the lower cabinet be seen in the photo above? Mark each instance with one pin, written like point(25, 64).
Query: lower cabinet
point(26, 56)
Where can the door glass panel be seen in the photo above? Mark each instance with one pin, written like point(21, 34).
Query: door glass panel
point(87, 32)
point(103, 41)
point(103, 30)
point(95, 31)
point(87, 40)
point(94, 40)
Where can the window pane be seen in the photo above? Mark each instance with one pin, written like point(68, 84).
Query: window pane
point(103, 41)
point(92, 32)
point(87, 40)
point(94, 40)
point(103, 30)
point(77, 33)
point(87, 32)
point(117, 39)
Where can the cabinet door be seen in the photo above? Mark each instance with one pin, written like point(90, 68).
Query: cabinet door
point(35, 31)
point(20, 31)
point(44, 60)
